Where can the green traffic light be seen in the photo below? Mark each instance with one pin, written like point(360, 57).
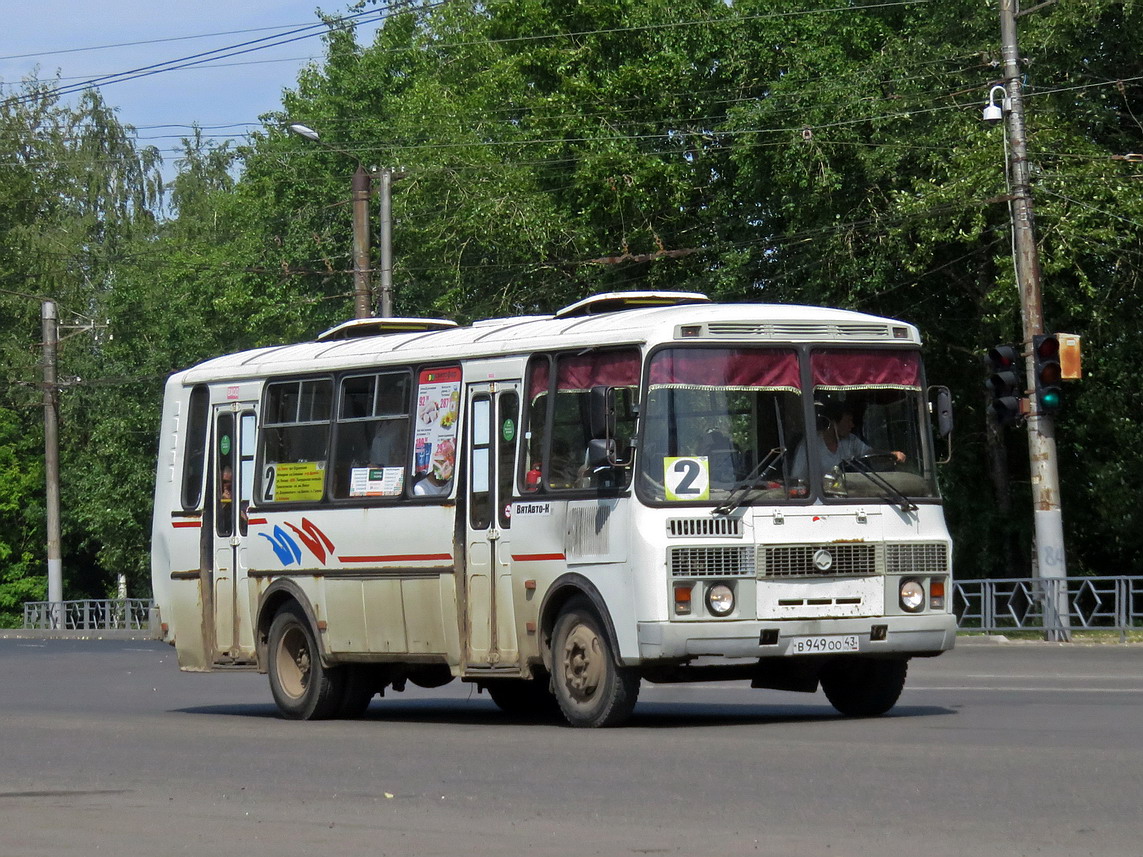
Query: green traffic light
point(1050, 400)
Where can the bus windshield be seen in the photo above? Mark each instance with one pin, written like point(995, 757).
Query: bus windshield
point(726, 424)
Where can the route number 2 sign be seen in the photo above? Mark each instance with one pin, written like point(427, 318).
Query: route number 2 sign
point(687, 478)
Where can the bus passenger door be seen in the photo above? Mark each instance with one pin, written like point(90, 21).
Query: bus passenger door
point(232, 479)
point(490, 622)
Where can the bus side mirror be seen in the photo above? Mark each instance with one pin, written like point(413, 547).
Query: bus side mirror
point(940, 402)
point(940, 406)
point(601, 453)
point(602, 412)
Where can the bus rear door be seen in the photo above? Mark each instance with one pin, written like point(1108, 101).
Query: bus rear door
point(232, 476)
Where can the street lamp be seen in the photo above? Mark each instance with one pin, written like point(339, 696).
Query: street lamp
point(992, 113)
point(362, 190)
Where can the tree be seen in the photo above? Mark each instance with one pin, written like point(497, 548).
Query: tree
point(81, 196)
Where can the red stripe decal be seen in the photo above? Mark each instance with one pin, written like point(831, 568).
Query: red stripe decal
point(257, 521)
point(538, 557)
point(179, 525)
point(412, 557)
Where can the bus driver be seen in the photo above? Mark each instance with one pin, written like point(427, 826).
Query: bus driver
point(836, 442)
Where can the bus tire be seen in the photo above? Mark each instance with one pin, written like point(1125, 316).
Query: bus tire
point(591, 688)
point(303, 687)
point(864, 687)
point(521, 697)
point(358, 689)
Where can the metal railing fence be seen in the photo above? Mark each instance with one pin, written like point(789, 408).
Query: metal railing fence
point(114, 614)
point(1059, 605)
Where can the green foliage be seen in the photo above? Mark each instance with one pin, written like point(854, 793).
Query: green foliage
point(22, 564)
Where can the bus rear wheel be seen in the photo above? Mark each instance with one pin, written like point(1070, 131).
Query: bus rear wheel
point(591, 688)
point(303, 687)
point(864, 687)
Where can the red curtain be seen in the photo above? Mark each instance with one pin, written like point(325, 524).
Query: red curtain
point(581, 372)
point(762, 368)
point(838, 368)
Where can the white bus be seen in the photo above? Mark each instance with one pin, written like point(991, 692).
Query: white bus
point(642, 486)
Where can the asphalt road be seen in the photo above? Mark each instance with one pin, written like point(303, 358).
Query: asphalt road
point(106, 748)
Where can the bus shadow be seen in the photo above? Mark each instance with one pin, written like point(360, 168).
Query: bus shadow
point(664, 715)
point(648, 715)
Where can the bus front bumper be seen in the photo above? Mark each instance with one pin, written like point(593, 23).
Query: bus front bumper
point(928, 634)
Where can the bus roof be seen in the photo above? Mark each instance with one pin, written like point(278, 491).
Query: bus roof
point(644, 323)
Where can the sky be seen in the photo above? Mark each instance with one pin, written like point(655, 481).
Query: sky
point(85, 39)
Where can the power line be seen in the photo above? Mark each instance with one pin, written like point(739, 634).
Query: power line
point(165, 40)
point(192, 60)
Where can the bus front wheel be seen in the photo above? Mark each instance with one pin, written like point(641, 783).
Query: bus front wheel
point(590, 686)
point(864, 687)
point(303, 687)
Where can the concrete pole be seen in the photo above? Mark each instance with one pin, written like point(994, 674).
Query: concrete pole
point(362, 293)
point(386, 241)
point(1050, 563)
point(50, 322)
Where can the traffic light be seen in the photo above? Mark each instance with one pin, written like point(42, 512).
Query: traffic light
point(1046, 354)
point(1004, 383)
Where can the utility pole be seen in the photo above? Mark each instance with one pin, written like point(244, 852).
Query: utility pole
point(362, 187)
point(1050, 564)
point(50, 324)
point(386, 236)
point(362, 293)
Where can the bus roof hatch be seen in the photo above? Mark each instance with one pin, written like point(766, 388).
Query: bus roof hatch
point(618, 301)
point(360, 327)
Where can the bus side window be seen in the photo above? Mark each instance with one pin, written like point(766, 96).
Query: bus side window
point(295, 441)
point(559, 404)
point(194, 451)
point(536, 420)
point(371, 441)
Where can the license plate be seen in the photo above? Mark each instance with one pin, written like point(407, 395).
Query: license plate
point(823, 645)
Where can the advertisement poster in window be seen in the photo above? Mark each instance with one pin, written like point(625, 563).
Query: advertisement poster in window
point(434, 437)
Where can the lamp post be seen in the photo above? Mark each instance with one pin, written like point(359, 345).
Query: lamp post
point(1050, 562)
point(362, 187)
point(50, 325)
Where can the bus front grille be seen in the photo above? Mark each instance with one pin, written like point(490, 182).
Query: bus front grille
point(711, 562)
point(923, 558)
point(817, 560)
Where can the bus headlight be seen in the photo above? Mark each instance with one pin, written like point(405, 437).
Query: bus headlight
point(912, 596)
point(720, 599)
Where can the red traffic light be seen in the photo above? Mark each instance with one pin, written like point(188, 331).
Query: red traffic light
point(1002, 357)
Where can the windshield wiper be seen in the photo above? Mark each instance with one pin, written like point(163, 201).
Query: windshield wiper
point(888, 491)
point(744, 486)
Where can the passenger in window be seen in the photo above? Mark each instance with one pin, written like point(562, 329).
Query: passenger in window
point(226, 480)
point(429, 485)
point(387, 448)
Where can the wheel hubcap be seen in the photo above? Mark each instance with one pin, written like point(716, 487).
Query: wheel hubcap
point(293, 662)
point(583, 663)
